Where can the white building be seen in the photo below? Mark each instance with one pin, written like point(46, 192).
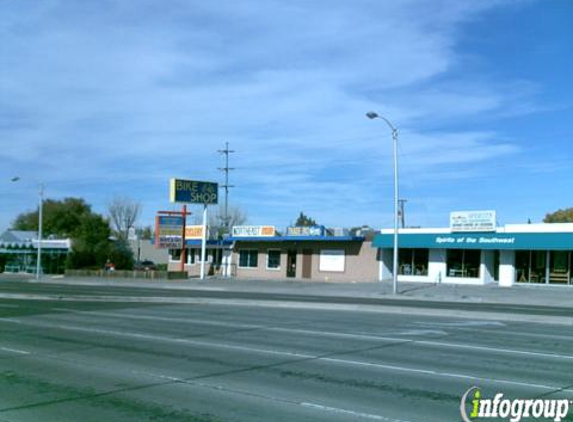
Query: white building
point(515, 253)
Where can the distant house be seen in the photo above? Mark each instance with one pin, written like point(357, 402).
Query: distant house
point(19, 251)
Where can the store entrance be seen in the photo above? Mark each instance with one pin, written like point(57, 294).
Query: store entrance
point(291, 264)
point(559, 267)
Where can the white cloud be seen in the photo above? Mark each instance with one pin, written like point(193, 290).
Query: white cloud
point(136, 91)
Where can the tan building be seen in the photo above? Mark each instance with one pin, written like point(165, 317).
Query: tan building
point(304, 253)
point(316, 258)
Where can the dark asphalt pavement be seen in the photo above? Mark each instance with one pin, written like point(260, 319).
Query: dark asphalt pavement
point(69, 290)
point(97, 361)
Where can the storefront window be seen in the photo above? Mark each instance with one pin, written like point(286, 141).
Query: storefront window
point(530, 266)
point(559, 267)
point(190, 256)
point(463, 263)
point(273, 259)
point(175, 254)
point(248, 258)
point(413, 262)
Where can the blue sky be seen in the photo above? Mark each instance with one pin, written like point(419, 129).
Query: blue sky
point(112, 98)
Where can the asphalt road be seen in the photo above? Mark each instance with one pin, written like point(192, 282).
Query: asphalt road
point(55, 290)
point(98, 361)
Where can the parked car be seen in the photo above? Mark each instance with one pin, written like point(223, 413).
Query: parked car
point(145, 265)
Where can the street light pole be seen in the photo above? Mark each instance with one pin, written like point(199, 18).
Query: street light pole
point(373, 115)
point(40, 220)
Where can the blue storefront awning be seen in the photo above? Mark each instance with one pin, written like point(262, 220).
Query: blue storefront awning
point(508, 241)
point(298, 239)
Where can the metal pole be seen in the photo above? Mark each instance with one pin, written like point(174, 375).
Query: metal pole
point(395, 261)
point(183, 257)
point(227, 187)
point(204, 242)
point(374, 115)
point(40, 220)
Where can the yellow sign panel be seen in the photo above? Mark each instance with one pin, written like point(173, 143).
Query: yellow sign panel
point(193, 232)
point(253, 231)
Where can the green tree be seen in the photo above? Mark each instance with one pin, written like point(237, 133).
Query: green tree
point(91, 246)
point(304, 221)
point(560, 216)
point(60, 218)
point(121, 255)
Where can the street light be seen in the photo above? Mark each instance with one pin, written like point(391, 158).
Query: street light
point(373, 115)
point(40, 220)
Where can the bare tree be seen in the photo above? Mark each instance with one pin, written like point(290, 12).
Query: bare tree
point(236, 216)
point(123, 213)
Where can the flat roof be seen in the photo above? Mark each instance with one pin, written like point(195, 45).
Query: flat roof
point(298, 239)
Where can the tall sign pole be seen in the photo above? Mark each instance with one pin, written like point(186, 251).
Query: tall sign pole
point(183, 250)
point(204, 242)
point(194, 192)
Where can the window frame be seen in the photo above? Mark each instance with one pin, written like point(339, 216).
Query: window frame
point(463, 270)
point(249, 266)
point(278, 267)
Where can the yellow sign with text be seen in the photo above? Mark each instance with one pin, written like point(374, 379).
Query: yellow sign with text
point(193, 232)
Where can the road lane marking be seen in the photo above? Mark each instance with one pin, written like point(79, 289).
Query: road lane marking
point(18, 351)
point(505, 333)
point(345, 335)
point(303, 356)
point(192, 381)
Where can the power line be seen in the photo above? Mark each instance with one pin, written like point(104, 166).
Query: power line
point(226, 186)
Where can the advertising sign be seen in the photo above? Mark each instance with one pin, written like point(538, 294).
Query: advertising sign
point(168, 231)
point(193, 192)
point(254, 231)
point(331, 260)
point(472, 221)
point(305, 231)
point(194, 232)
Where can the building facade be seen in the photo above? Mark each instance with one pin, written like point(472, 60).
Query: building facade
point(515, 253)
point(316, 258)
point(19, 252)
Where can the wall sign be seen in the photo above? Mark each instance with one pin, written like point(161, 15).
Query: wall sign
point(193, 192)
point(253, 231)
point(472, 221)
point(305, 231)
point(331, 260)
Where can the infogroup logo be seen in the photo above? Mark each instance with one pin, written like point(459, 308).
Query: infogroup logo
point(475, 407)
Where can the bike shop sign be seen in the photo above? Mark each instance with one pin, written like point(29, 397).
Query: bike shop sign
point(193, 192)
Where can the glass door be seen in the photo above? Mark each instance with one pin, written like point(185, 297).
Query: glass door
point(559, 270)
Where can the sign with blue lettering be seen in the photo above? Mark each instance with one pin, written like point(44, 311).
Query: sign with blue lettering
point(168, 232)
point(193, 192)
point(305, 231)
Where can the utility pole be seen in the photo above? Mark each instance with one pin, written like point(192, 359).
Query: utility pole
point(226, 169)
point(402, 215)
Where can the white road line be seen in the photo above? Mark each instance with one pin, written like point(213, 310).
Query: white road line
point(346, 335)
point(505, 333)
point(350, 412)
point(290, 354)
point(165, 319)
point(242, 392)
point(20, 352)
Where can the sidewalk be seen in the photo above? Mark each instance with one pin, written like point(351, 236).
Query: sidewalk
point(526, 294)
